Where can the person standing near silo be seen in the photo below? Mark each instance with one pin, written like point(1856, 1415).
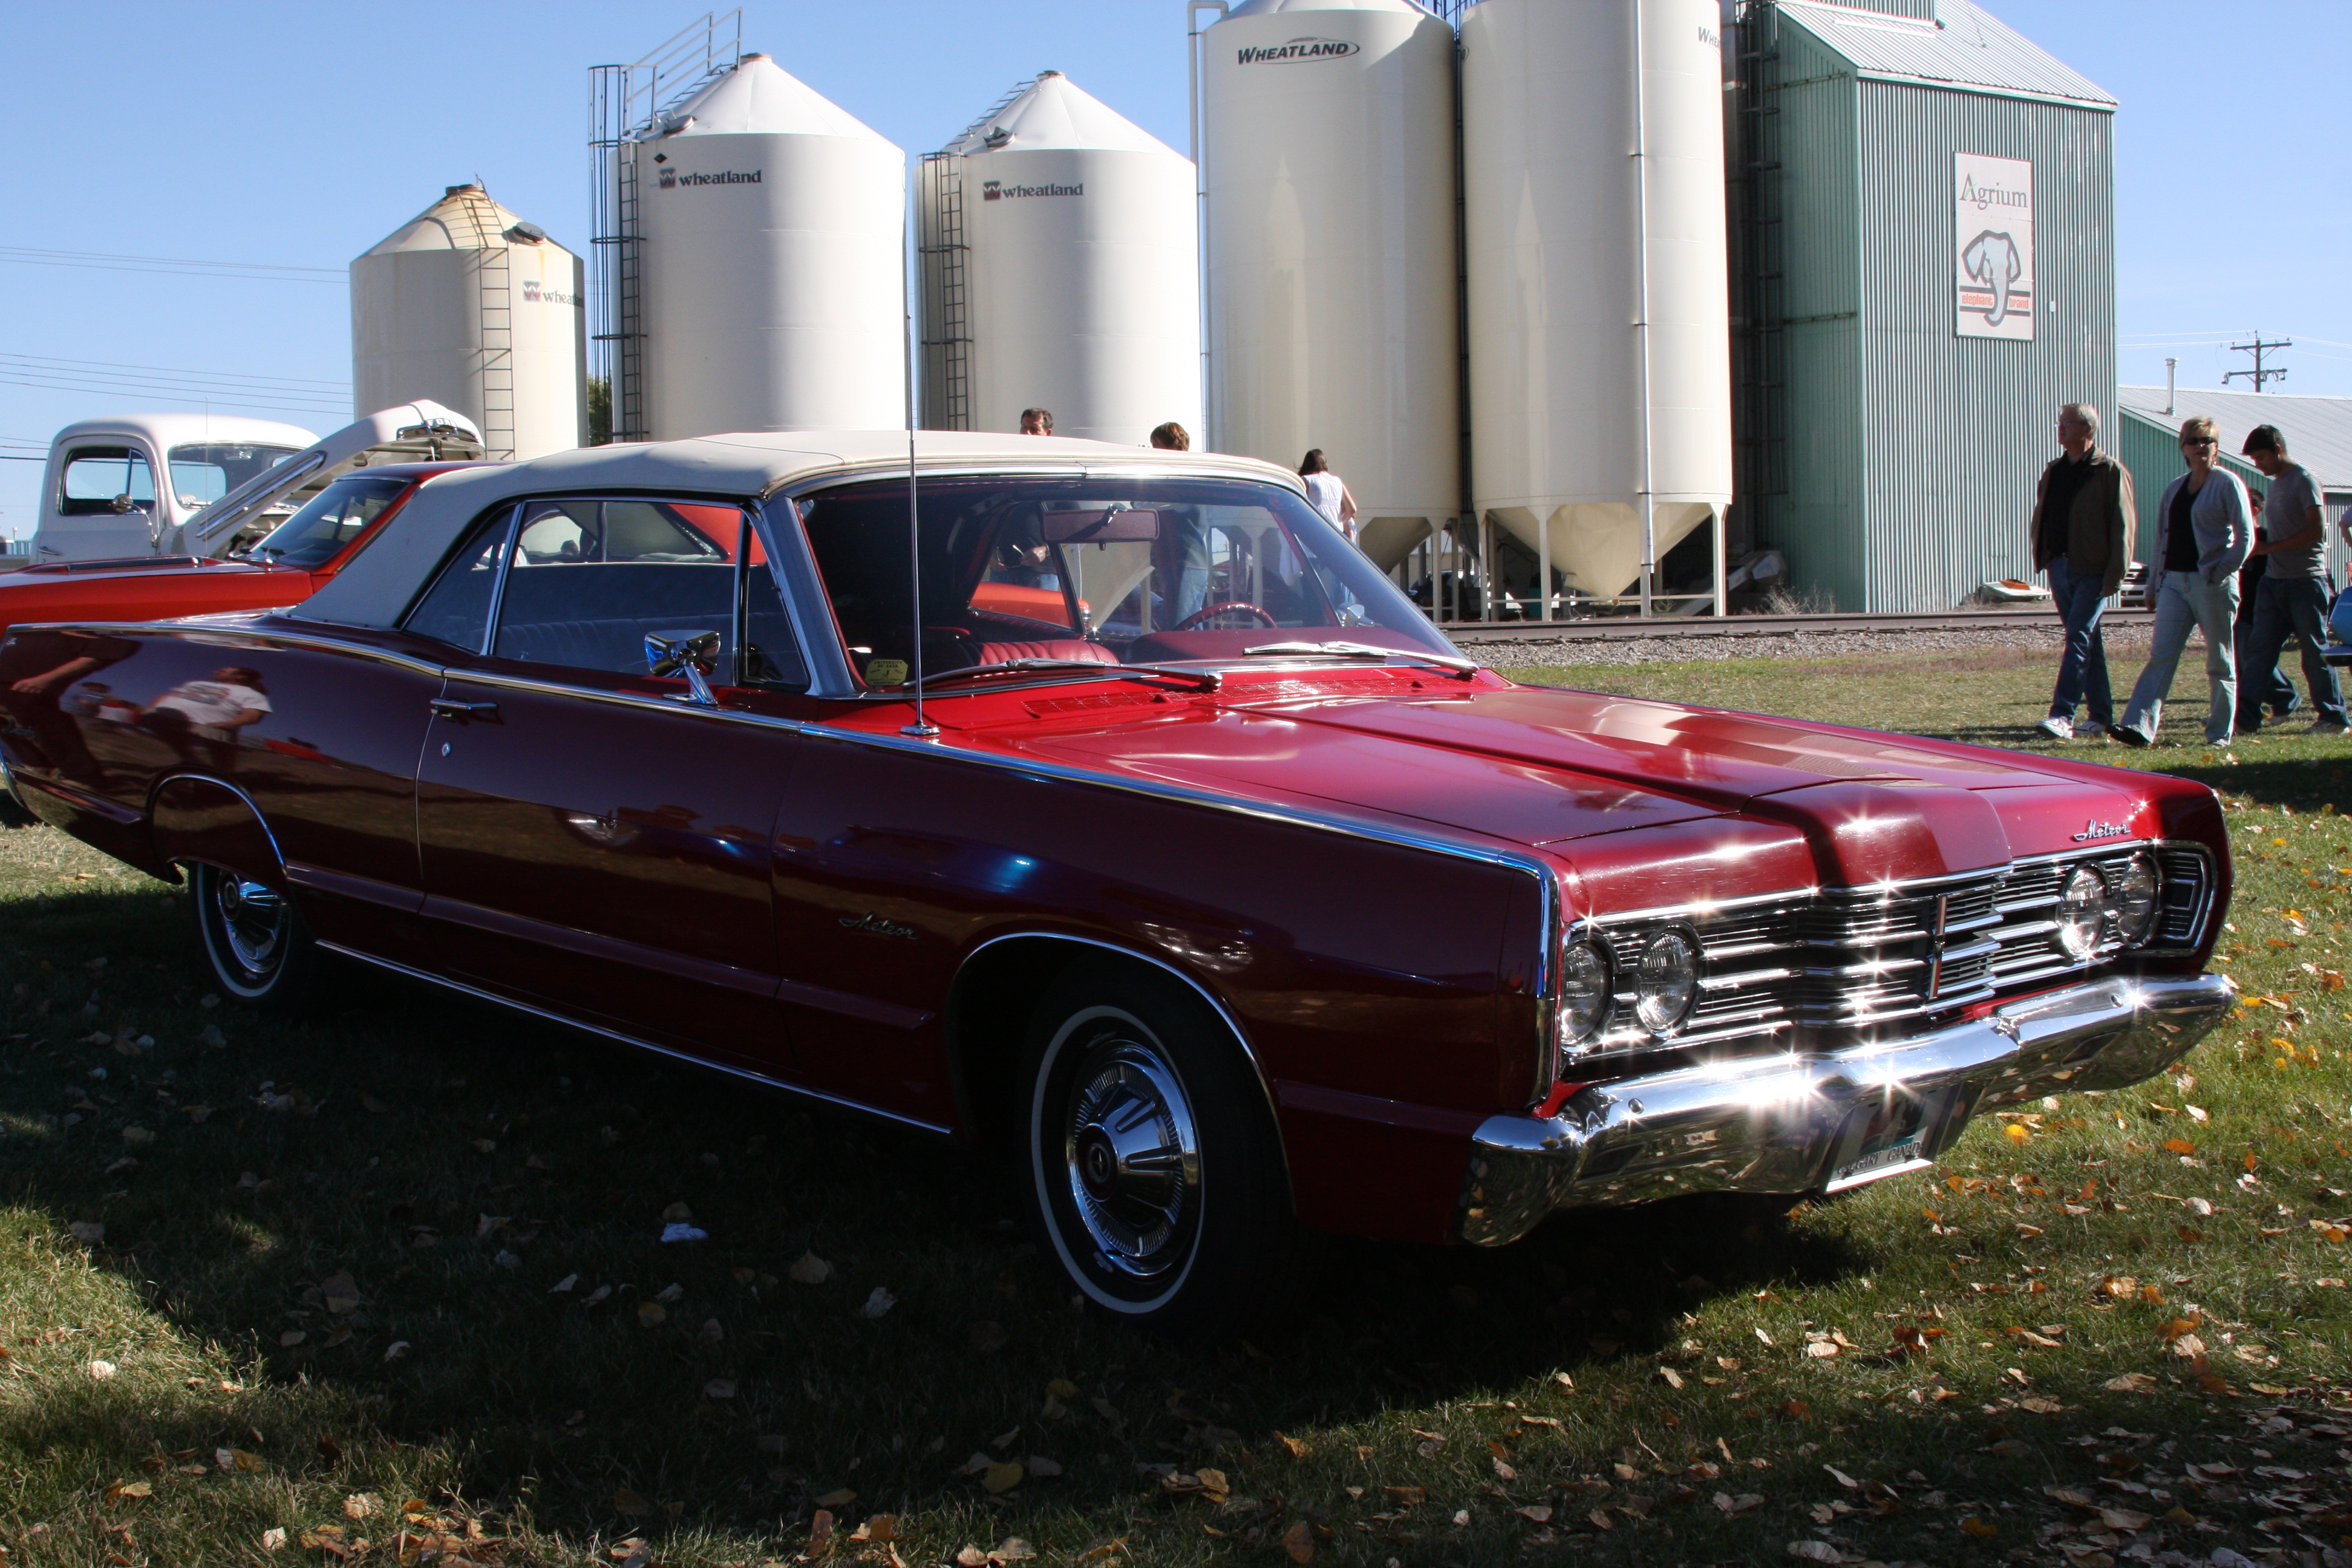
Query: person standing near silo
point(1328, 492)
point(2203, 531)
point(2291, 601)
point(2078, 534)
point(1036, 422)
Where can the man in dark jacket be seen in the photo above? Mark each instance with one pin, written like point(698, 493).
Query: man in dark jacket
point(2081, 537)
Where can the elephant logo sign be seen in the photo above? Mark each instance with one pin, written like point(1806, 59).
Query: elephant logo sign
point(1991, 261)
point(1995, 294)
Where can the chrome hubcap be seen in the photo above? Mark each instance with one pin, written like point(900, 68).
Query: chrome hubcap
point(1133, 1159)
point(252, 921)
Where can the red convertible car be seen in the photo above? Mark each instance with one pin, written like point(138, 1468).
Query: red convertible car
point(1200, 880)
point(293, 562)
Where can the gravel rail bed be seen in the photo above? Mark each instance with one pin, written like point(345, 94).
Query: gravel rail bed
point(2127, 642)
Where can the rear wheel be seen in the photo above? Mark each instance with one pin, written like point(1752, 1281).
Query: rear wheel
point(254, 941)
point(1153, 1169)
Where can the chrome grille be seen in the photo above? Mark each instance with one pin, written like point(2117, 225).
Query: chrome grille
point(1852, 958)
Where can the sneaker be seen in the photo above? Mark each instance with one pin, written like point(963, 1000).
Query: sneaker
point(2058, 727)
point(2328, 727)
point(2131, 737)
point(2090, 726)
point(2293, 705)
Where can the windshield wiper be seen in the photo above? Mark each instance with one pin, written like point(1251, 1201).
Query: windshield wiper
point(1093, 670)
point(1461, 669)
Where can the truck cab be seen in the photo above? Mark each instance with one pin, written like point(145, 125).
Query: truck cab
point(118, 486)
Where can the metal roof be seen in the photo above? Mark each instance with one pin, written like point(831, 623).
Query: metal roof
point(1964, 47)
point(2318, 430)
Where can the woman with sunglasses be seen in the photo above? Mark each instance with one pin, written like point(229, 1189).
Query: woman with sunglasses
point(2203, 530)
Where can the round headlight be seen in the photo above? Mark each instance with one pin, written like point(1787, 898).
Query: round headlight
point(1583, 992)
point(2134, 899)
point(2082, 912)
point(1665, 981)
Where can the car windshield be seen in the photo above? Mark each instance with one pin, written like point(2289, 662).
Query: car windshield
point(203, 473)
point(336, 515)
point(1100, 569)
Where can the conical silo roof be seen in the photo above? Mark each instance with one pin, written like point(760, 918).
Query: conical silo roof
point(1268, 7)
point(1055, 113)
point(465, 218)
point(760, 98)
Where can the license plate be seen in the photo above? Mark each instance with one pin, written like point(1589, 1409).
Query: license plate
point(1886, 1162)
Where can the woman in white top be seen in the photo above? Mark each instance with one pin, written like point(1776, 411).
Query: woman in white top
point(1328, 492)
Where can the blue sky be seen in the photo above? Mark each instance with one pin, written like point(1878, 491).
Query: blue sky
point(297, 135)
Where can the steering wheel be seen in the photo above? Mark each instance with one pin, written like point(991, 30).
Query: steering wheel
point(1201, 617)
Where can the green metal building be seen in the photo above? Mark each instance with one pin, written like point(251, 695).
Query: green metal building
point(1924, 206)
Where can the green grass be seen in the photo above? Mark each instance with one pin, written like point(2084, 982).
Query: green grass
point(1642, 1375)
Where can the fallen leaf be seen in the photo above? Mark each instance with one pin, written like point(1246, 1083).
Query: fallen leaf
point(1815, 1551)
point(100, 1371)
point(719, 1388)
point(1002, 1477)
point(395, 1349)
point(841, 1498)
point(1292, 1446)
point(2125, 1519)
point(628, 1502)
point(273, 1539)
point(2179, 1146)
point(1299, 1542)
point(1740, 1504)
point(291, 1338)
point(362, 1505)
point(90, 1233)
point(878, 1303)
point(129, 1488)
point(651, 1313)
point(1540, 1513)
point(1979, 1528)
point(1673, 1378)
point(562, 1284)
point(811, 1269)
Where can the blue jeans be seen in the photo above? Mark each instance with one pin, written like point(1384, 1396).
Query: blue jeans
point(2277, 693)
point(2185, 602)
point(2083, 669)
point(2288, 608)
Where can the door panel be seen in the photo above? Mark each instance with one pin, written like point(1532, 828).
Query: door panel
point(608, 858)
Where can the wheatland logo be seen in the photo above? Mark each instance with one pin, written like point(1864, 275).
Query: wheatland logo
point(1299, 49)
point(671, 179)
point(996, 191)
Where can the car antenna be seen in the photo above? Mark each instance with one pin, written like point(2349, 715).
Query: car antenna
point(921, 729)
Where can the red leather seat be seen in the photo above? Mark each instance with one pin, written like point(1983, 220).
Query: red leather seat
point(1050, 647)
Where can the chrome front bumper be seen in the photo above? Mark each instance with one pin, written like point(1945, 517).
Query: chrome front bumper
point(1796, 1124)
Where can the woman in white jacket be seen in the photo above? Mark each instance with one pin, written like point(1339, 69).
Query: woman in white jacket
point(2204, 528)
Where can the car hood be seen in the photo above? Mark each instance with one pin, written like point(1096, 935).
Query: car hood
point(1550, 768)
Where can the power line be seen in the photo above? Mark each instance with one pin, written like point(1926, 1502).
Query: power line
point(226, 377)
point(261, 402)
point(2258, 375)
point(181, 265)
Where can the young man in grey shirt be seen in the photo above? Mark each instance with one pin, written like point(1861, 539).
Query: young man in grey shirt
point(2291, 600)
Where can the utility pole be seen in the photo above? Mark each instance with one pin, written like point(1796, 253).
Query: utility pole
point(2258, 375)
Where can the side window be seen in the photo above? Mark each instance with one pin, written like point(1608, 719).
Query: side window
point(105, 480)
point(457, 608)
point(772, 650)
point(591, 580)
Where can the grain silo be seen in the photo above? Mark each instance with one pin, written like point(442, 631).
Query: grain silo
point(1595, 264)
point(468, 306)
point(1929, 271)
point(772, 229)
point(1060, 264)
point(1326, 150)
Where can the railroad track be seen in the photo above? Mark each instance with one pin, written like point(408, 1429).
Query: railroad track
point(1622, 628)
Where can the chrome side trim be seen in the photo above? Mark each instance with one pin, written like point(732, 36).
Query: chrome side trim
point(249, 806)
point(1249, 1053)
point(1143, 467)
point(293, 639)
point(1796, 1123)
point(797, 1091)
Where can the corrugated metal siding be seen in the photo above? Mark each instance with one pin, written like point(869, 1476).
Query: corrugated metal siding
point(1819, 520)
point(1971, 48)
point(1960, 427)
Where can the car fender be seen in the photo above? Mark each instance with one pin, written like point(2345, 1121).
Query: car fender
point(198, 819)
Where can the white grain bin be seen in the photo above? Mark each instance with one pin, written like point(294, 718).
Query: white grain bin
point(467, 306)
point(1327, 153)
point(1600, 359)
point(773, 258)
point(1077, 240)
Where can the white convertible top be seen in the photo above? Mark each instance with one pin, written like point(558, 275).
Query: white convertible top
point(377, 587)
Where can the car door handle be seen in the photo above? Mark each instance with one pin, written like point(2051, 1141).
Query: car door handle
point(447, 708)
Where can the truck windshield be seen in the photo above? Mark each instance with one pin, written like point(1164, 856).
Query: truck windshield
point(336, 516)
point(201, 474)
point(1100, 569)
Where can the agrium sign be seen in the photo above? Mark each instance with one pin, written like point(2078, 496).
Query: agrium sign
point(1992, 246)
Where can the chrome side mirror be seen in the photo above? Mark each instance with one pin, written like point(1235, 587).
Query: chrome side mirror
point(691, 654)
